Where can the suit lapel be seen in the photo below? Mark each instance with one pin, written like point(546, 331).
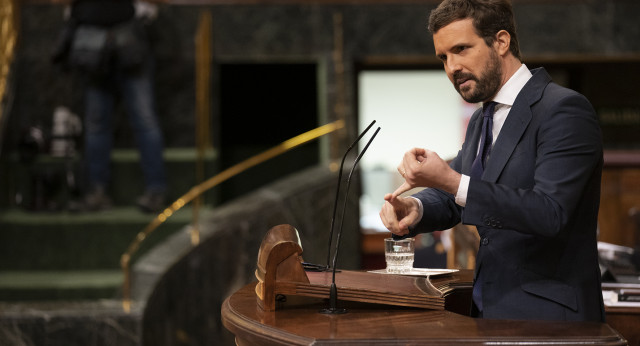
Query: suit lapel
point(514, 127)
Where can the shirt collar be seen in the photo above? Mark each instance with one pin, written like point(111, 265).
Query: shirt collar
point(510, 90)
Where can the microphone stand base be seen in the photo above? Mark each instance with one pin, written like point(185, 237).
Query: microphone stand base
point(333, 311)
point(333, 301)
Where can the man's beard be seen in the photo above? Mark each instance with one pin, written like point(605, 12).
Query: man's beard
point(486, 86)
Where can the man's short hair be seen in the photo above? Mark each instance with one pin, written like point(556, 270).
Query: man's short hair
point(488, 16)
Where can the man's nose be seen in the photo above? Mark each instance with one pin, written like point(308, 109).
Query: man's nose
point(453, 64)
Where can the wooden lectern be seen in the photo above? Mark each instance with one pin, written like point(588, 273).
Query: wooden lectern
point(382, 309)
point(280, 272)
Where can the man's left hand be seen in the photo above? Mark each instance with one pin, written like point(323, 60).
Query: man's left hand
point(424, 168)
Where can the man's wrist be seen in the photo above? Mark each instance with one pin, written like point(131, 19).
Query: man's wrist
point(454, 184)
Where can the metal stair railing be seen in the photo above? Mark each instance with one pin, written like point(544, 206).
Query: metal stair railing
point(199, 189)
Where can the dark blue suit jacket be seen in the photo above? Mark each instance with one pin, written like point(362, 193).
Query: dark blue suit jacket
point(535, 208)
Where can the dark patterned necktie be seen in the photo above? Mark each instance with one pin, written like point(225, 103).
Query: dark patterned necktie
point(486, 139)
point(477, 168)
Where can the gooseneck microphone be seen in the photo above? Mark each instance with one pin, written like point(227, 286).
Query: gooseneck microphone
point(335, 201)
point(333, 293)
point(327, 267)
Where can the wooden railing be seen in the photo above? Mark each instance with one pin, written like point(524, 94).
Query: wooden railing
point(8, 38)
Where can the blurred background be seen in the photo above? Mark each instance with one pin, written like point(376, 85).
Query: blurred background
point(232, 80)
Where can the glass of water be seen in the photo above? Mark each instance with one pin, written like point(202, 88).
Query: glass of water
point(399, 255)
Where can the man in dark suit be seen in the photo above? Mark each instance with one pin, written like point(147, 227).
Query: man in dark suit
point(536, 195)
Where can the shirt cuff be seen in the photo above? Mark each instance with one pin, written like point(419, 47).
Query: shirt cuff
point(463, 189)
point(420, 212)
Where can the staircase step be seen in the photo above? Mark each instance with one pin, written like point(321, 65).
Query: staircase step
point(50, 183)
point(78, 241)
point(59, 285)
point(181, 174)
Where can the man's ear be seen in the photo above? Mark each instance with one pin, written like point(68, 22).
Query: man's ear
point(502, 42)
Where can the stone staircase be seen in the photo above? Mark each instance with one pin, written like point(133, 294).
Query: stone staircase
point(49, 251)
